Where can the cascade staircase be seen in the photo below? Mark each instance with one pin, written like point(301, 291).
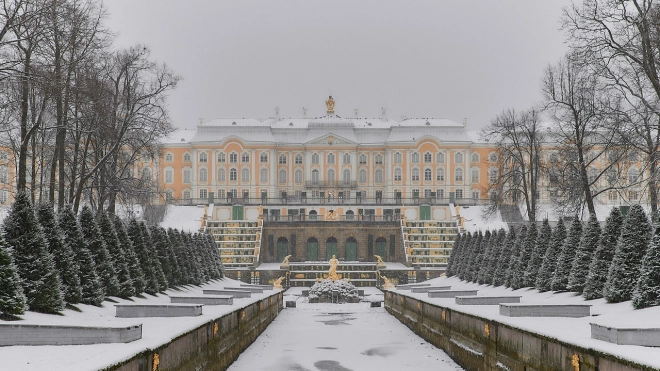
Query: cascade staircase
point(428, 243)
point(307, 273)
point(239, 242)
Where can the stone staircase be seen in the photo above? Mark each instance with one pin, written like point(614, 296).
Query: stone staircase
point(428, 243)
point(238, 241)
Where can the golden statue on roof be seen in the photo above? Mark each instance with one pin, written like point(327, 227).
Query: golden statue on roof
point(330, 104)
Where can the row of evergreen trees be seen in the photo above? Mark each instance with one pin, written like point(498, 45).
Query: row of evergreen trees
point(48, 261)
point(619, 263)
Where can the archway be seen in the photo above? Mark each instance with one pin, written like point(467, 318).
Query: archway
point(312, 215)
point(350, 215)
point(351, 249)
point(312, 249)
point(282, 248)
point(381, 247)
point(330, 248)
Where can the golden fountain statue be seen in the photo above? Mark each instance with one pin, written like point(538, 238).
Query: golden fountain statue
point(278, 282)
point(330, 215)
point(330, 105)
point(285, 263)
point(387, 284)
point(380, 263)
point(332, 273)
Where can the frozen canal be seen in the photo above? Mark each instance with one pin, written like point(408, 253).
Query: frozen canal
point(340, 337)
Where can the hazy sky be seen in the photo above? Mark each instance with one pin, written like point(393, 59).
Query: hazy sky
point(417, 58)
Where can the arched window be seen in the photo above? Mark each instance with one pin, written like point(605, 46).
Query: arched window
point(221, 175)
point(427, 175)
point(245, 157)
point(233, 157)
point(186, 194)
point(282, 159)
point(298, 176)
point(282, 177)
point(312, 244)
point(282, 248)
point(203, 175)
point(315, 176)
point(492, 157)
point(187, 175)
point(233, 175)
point(440, 175)
point(458, 175)
point(263, 158)
point(315, 158)
point(245, 175)
point(474, 175)
point(397, 158)
point(379, 160)
point(458, 157)
point(397, 175)
point(350, 246)
point(363, 159)
point(169, 157)
point(146, 174)
point(331, 175)
point(298, 159)
point(221, 157)
point(363, 176)
point(475, 157)
point(312, 216)
point(440, 157)
point(347, 176)
point(347, 158)
point(428, 158)
point(415, 158)
point(492, 175)
point(169, 175)
point(330, 248)
point(612, 176)
point(186, 157)
point(4, 174)
point(331, 158)
point(203, 158)
point(379, 176)
point(203, 193)
point(633, 174)
point(415, 175)
point(263, 175)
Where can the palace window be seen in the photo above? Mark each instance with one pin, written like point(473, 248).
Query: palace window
point(347, 159)
point(221, 175)
point(428, 158)
point(245, 158)
point(203, 158)
point(221, 157)
point(186, 157)
point(440, 157)
point(146, 174)
point(492, 157)
point(439, 193)
point(397, 175)
point(169, 157)
point(363, 159)
point(379, 176)
point(169, 175)
point(263, 158)
point(331, 175)
point(233, 175)
point(397, 158)
point(476, 194)
point(4, 174)
point(427, 175)
point(298, 176)
point(315, 158)
point(612, 195)
point(379, 160)
point(415, 175)
point(203, 193)
point(4, 156)
point(298, 159)
point(415, 158)
point(459, 193)
point(363, 176)
point(475, 175)
point(633, 174)
point(440, 175)
point(282, 159)
point(186, 194)
point(233, 157)
point(492, 175)
point(458, 176)
point(263, 175)
point(315, 176)
point(203, 175)
point(347, 176)
point(331, 158)
point(458, 157)
point(245, 175)
point(475, 157)
point(220, 194)
point(187, 175)
point(282, 177)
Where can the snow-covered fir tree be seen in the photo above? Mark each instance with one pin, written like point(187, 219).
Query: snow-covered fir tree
point(175, 242)
point(475, 250)
point(93, 242)
point(647, 289)
point(584, 255)
point(65, 263)
point(166, 256)
point(515, 253)
point(478, 269)
point(93, 292)
point(630, 249)
point(144, 256)
point(464, 256)
point(112, 243)
point(41, 283)
point(518, 280)
point(600, 264)
point(547, 271)
point(566, 257)
point(132, 262)
point(149, 245)
point(456, 250)
point(12, 299)
point(503, 259)
point(215, 256)
point(536, 260)
point(195, 265)
point(497, 241)
point(482, 275)
point(202, 252)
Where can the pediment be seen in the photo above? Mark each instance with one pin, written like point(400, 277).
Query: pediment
point(330, 139)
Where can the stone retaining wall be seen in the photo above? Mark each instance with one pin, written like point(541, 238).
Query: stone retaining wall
point(482, 344)
point(212, 346)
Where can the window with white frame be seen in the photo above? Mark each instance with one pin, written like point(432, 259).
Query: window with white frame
point(378, 178)
point(458, 175)
point(4, 156)
point(492, 175)
point(492, 157)
point(315, 176)
point(146, 174)
point(203, 175)
point(186, 157)
point(221, 175)
point(169, 157)
point(233, 175)
point(347, 159)
point(186, 194)
point(633, 174)
point(612, 195)
point(233, 193)
point(203, 193)
point(331, 175)
point(379, 159)
point(428, 176)
point(233, 157)
point(245, 157)
point(633, 195)
point(298, 160)
point(298, 176)
point(458, 157)
point(245, 175)
point(282, 176)
point(221, 157)
point(415, 175)
point(220, 194)
point(203, 158)
point(331, 158)
point(187, 175)
point(474, 175)
point(415, 158)
point(427, 193)
point(347, 176)
point(440, 175)
point(4, 174)
point(169, 175)
point(315, 158)
point(397, 175)
point(458, 193)
point(397, 158)
point(476, 194)
point(263, 157)
point(363, 176)
point(428, 158)
point(440, 157)
point(475, 158)
point(363, 159)
point(440, 193)
point(263, 175)
point(282, 159)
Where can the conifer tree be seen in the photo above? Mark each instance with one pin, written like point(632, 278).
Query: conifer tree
point(41, 283)
point(600, 265)
point(481, 256)
point(12, 299)
point(94, 243)
point(630, 249)
point(155, 262)
point(93, 292)
point(65, 263)
point(112, 243)
point(207, 259)
point(577, 278)
point(486, 259)
point(647, 289)
point(497, 241)
point(144, 257)
point(518, 280)
point(161, 245)
point(474, 255)
point(456, 248)
point(566, 257)
point(549, 266)
point(137, 276)
point(503, 259)
point(515, 253)
point(196, 272)
point(536, 260)
point(215, 256)
point(183, 270)
point(464, 256)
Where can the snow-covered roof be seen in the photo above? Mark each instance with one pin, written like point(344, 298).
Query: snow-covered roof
point(180, 136)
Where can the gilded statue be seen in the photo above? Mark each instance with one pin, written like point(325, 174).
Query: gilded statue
point(332, 273)
point(330, 215)
point(278, 282)
point(380, 264)
point(330, 104)
point(380, 259)
point(387, 284)
point(285, 262)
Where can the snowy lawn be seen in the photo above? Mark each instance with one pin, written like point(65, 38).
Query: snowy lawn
point(570, 330)
point(155, 332)
point(340, 337)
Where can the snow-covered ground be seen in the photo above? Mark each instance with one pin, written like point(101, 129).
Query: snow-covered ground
point(571, 330)
point(155, 332)
point(183, 218)
point(475, 221)
point(340, 337)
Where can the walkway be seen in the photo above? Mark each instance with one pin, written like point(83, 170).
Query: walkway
point(340, 337)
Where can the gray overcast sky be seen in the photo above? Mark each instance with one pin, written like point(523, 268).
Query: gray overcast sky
point(419, 58)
